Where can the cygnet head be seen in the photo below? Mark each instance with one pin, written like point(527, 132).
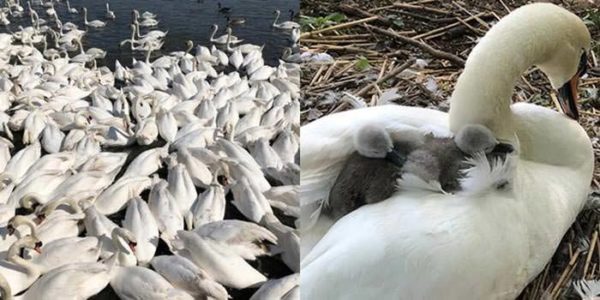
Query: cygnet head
point(373, 141)
point(475, 138)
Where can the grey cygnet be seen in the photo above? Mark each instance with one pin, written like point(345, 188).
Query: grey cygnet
point(370, 174)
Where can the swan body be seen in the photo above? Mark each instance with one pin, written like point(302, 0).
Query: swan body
point(165, 210)
point(142, 283)
point(115, 197)
point(139, 220)
point(425, 240)
point(278, 288)
point(222, 264)
point(70, 282)
point(67, 251)
point(183, 274)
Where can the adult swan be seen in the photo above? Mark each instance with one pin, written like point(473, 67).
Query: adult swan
point(424, 245)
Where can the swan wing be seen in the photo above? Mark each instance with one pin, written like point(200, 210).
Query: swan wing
point(72, 281)
point(424, 258)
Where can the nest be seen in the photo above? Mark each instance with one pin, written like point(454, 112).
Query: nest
point(364, 53)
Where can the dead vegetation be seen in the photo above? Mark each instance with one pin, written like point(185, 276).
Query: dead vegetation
point(364, 53)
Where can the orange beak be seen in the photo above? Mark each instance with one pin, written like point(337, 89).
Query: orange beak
point(567, 97)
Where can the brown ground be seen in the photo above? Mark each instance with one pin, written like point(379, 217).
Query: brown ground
point(427, 33)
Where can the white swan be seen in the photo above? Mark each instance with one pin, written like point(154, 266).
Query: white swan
point(93, 23)
point(70, 9)
point(222, 39)
point(20, 273)
point(424, 245)
point(287, 25)
point(139, 220)
point(109, 13)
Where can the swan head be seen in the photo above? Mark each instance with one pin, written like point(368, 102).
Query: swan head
point(30, 201)
point(373, 141)
point(27, 241)
point(559, 41)
point(5, 180)
point(539, 34)
point(127, 236)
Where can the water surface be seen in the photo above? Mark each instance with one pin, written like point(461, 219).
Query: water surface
point(184, 20)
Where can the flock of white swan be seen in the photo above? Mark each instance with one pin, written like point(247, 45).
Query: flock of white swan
point(218, 128)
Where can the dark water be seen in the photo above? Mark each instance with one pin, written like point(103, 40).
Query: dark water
point(184, 19)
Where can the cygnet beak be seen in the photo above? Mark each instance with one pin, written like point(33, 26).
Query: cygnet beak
point(395, 158)
point(503, 148)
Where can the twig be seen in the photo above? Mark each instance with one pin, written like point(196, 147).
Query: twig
point(590, 252)
point(357, 11)
point(397, 71)
point(445, 28)
point(420, 7)
point(459, 62)
point(339, 26)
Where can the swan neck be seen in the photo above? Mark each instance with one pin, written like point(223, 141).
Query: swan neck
point(212, 36)
point(5, 288)
point(26, 222)
point(116, 237)
point(137, 29)
point(13, 256)
point(484, 90)
point(32, 269)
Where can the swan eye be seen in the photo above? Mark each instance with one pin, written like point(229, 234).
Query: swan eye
point(583, 65)
point(10, 229)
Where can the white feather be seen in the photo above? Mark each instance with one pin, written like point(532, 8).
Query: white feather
point(484, 176)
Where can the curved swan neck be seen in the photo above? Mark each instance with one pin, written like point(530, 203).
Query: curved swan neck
point(20, 220)
point(277, 13)
point(215, 28)
point(484, 90)
point(13, 255)
point(52, 206)
point(539, 34)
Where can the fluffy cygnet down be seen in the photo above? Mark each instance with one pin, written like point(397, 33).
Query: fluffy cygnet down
point(370, 174)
